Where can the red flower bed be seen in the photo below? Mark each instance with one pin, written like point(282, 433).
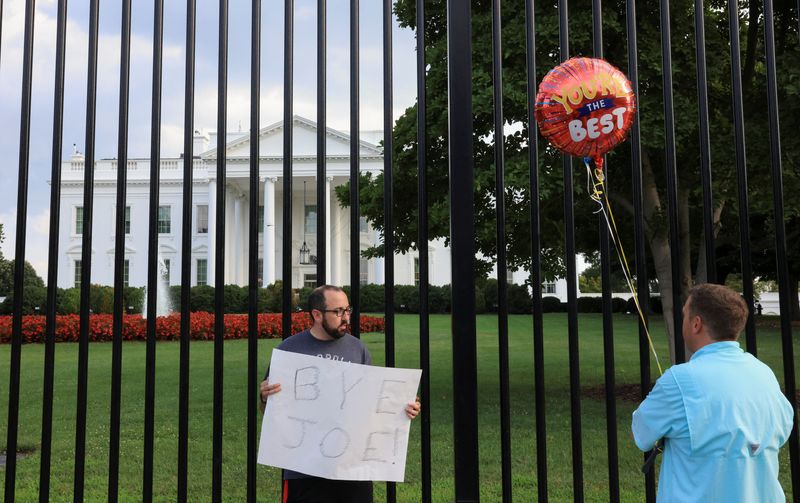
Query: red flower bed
point(134, 327)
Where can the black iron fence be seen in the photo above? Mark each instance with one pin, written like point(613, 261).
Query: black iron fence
point(458, 19)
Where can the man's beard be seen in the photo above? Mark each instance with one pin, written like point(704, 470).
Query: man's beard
point(334, 331)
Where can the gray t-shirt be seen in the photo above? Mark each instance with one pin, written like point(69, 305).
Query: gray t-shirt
point(345, 349)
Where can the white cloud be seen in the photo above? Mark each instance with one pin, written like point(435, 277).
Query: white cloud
point(36, 240)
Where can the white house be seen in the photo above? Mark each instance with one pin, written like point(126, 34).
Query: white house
point(237, 187)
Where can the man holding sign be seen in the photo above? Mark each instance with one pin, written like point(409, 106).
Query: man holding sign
point(334, 393)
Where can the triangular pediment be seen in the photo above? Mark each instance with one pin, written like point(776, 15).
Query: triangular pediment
point(128, 250)
point(304, 142)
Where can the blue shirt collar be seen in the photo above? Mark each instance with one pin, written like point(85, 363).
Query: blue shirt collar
point(717, 347)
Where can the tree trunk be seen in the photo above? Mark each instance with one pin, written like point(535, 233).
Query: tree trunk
point(701, 274)
point(660, 249)
point(662, 261)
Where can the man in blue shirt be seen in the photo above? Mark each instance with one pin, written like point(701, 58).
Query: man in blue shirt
point(722, 414)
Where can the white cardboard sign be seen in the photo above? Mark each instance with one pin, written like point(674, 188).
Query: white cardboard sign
point(337, 420)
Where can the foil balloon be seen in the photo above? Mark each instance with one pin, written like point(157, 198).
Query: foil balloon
point(585, 107)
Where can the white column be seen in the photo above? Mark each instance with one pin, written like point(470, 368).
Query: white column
point(380, 270)
point(269, 231)
point(328, 230)
point(237, 240)
point(334, 276)
point(212, 230)
point(228, 242)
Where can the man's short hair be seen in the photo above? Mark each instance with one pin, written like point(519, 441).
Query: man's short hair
point(723, 311)
point(316, 299)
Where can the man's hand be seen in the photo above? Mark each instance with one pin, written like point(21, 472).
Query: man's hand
point(412, 409)
point(268, 389)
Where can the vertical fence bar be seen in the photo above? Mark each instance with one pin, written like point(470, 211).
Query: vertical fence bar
point(219, 257)
point(119, 253)
point(780, 242)
point(355, 234)
point(153, 265)
point(536, 264)
point(741, 174)
point(388, 201)
point(502, 272)
point(608, 316)
point(705, 141)
point(642, 283)
point(288, 124)
point(322, 128)
point(422, 229)
point(86, 254)
point(462, 239)
point(52, 258)
point(186, 245)
point(19, 254)
point(609, 367)
point(1, 26)
point(572, 288)
point(252, 305)
point(672, 181)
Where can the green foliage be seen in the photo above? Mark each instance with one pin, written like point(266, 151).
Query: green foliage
point(519, 299)
point(439, 299)
point(406, 299)
point(480, 301)
point(654, 305)
point(30, 278)
point(270, 299)
point(132, 299)
point(33, 297)
point(101, 299)
point(551, 304)
point(202, 298)
point(235, 299)
point(372, 298)
point(68, 300)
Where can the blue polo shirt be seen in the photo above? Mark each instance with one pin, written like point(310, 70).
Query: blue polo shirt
point(724, 418)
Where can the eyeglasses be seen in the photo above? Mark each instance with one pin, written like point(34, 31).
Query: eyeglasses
point(339, 311)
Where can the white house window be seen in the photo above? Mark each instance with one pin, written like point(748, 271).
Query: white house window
point(549, 288)
point(261, 218)
point(77, 278)
point(164, 220)
point(202, 219)
point(126, 272)
point(416, 271)
point(363, 271)
point(363, 225)
point(311, 218)
point(79, 220)
point(309, 280)
point(202, 271)
point(260, 274)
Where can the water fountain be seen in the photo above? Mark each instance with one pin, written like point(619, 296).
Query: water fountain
point(163, 304)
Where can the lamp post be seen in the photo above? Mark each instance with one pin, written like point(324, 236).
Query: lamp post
point(305, 252)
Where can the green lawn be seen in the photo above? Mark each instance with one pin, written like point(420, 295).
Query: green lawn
point(234, 444)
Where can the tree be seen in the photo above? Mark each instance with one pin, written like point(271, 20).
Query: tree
point(650, 98)
point(31, 278)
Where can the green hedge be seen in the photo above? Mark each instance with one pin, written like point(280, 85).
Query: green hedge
point(270, 299)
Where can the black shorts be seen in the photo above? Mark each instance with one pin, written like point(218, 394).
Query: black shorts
point(317, 490)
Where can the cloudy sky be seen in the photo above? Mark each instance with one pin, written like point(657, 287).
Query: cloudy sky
point(11, 55)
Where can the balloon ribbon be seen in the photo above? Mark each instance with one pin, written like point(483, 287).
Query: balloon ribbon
point(597, 192)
